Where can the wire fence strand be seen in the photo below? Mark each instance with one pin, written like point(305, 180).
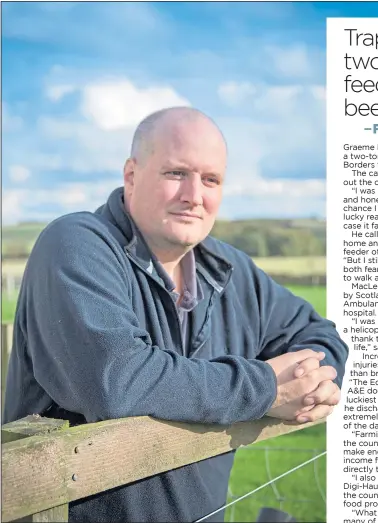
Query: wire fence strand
point(261, 487)
point(278, 496)
point(281, 498)
point(317, 482)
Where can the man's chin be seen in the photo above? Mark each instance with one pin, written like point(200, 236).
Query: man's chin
point(185, 236)
point(184, 241)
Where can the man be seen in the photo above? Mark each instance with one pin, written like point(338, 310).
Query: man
point(134, 310)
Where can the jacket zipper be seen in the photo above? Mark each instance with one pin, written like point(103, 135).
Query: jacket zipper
point(178, 323)
point(211, 304)
point(206, 319)
point(176, 314)
point(198, 349)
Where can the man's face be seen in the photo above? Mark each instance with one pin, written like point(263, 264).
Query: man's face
point(174, 195)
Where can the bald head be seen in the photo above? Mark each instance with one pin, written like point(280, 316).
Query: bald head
point(169, 124)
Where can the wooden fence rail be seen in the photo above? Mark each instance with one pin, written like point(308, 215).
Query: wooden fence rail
point(46, 464)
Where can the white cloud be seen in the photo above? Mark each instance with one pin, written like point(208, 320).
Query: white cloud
point(88, 149)
point(277, 100)
point(281, 134)
point(282, 187)
point(266, 198)
point(19, 173)
point(57, 92)
point(318, 92)
point(264, 99)
point(74, 197)
point(46, 162)
point(100, 140)
point(141, 15)
point(111, 104)
point(234, 93)
point(119, 104)
point(288, 207)
point(28, 204)
point(11, 206)
point(291, 62)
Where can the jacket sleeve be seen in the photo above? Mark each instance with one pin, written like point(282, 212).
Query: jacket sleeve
point(289, 323)
point(92, 357)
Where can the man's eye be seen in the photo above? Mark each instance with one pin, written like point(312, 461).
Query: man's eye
point(211, 180)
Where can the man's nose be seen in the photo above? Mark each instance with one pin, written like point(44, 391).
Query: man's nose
point(191, 190)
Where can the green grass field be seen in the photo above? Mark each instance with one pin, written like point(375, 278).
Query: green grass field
point(8, 309)
point(299, 493)
point(315, 295)
point(293, 265)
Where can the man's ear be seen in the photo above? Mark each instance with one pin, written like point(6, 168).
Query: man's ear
point(128, 172)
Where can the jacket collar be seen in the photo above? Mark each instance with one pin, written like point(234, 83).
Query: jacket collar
point(215, 269)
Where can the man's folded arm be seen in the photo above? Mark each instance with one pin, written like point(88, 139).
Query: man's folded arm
point(92, 357)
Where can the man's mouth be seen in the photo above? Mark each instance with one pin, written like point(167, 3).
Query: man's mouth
point(187, 215)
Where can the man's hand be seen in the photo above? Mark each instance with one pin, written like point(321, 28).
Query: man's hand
point(295, 364)
point(309, 364)
point(320, 403)
point(300, 376)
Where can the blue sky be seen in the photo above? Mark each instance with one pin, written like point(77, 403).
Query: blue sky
point(78, 77)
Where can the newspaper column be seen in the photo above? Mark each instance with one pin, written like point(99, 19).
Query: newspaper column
point(352, 264)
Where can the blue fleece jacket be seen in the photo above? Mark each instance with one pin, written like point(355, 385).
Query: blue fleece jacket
point(97, 336)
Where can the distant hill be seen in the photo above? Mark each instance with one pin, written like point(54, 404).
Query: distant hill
point(18, 240)
point(266, 237)
point(257, 237)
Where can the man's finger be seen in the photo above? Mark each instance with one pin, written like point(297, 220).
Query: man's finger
point(318, 412)
point(315, 377)
point(303, 410)
point(326, 390)
point(306, 366)
point(304, 354)
point(335, 399)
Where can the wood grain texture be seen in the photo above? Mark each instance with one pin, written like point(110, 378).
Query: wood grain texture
point(80, 461)
point(23, 430)
point(31, 426)
point(56, 515)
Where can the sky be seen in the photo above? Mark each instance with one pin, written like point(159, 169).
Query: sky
point(78, 77)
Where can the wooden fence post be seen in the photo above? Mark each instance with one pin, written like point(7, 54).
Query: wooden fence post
point(32, 426)
point(6, 347)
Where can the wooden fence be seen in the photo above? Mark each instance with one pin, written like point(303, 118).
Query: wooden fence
point(46, 464)
point(6, 346)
